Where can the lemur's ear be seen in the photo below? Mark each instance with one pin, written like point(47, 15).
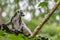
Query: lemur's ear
point(19, 11)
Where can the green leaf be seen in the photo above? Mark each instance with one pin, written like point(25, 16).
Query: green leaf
point(42, 4)
point(16, 1)
point(55, 0)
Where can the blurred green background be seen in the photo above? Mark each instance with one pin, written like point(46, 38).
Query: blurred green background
point(35, 11)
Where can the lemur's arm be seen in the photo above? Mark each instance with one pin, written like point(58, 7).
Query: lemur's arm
point(10, 21)
point(13, 16)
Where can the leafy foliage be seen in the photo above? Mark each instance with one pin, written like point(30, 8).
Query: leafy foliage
point(42, 4)
point(16, 1)
point(55, 0)
point(14, 37)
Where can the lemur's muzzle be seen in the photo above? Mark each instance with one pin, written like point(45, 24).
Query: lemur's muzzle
point(22, 14)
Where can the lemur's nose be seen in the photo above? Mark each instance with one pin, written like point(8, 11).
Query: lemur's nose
point(22, 14)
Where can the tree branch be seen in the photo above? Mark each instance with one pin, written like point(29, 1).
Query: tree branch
point(45, 19)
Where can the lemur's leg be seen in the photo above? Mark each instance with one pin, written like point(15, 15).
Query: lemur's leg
point(13, 26)
point(25, 30)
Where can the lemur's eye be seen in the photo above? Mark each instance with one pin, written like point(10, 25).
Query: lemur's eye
point(17, 11)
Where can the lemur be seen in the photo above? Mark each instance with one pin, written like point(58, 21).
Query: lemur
point(18, 24)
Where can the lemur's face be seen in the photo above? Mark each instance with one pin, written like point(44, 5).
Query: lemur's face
point(20, 12)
